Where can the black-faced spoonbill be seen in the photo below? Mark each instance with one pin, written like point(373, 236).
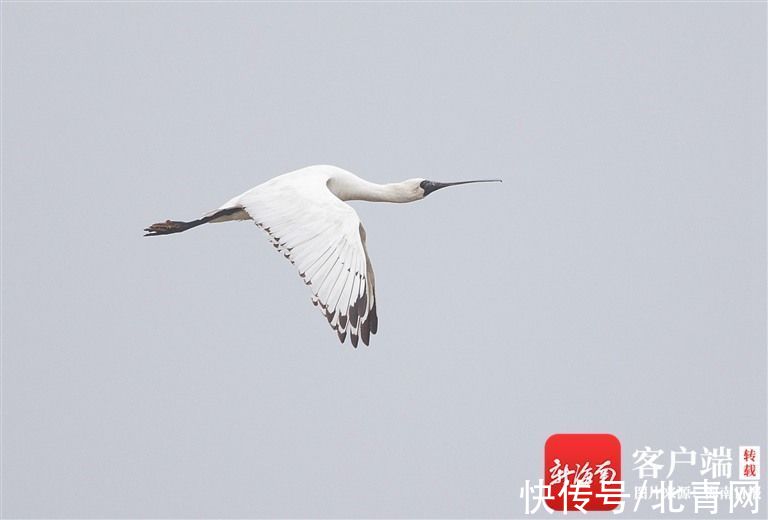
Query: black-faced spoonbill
point(305, 217)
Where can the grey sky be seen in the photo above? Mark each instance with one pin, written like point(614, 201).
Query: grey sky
point(615, 282)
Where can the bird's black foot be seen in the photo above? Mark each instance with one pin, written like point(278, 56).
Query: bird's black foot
point(166, 228)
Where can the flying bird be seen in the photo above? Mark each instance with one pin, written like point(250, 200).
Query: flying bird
point(307, 220)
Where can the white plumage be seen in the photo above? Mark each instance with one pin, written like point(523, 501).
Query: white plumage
point(305, 216)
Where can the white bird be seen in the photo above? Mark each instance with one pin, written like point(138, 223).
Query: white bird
point(307, 221)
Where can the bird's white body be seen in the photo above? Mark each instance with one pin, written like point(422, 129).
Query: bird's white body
point(304, 214)
point(341, 183)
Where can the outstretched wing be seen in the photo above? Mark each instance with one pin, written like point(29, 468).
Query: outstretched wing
point(324, 238)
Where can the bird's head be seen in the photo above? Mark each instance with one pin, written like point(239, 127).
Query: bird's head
point(428, 187)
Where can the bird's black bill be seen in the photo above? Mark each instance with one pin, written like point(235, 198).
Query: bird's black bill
point(429, 186)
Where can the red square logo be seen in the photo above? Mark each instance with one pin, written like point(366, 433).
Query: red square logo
point(583, 471)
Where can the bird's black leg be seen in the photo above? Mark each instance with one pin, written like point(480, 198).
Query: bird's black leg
point(171, 226)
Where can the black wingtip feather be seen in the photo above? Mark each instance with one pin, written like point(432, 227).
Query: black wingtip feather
point(365, 331)
point(353, 315)
point(374, 319)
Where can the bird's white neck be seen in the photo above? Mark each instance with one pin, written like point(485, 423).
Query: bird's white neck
point(354, 188)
